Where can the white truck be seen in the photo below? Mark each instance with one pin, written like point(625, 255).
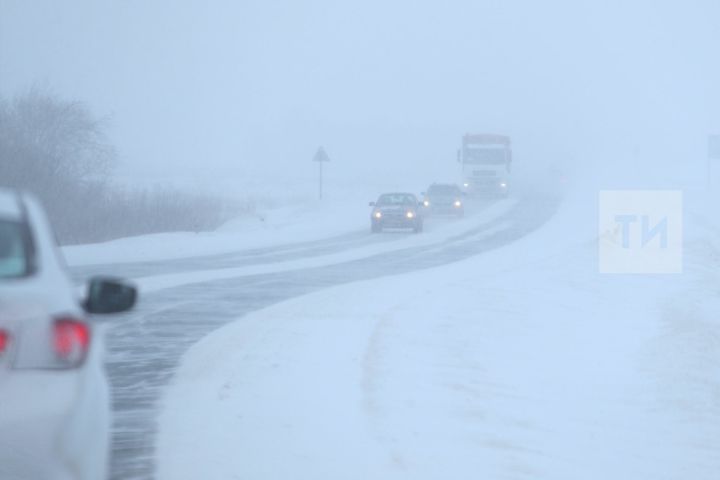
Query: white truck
point(486, 162)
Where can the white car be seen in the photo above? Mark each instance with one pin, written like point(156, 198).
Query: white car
point(54, 396)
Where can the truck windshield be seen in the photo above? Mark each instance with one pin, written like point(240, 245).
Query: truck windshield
point(13, 252)
point(485, 156)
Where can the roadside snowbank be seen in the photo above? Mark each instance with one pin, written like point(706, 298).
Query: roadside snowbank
point(522, 363)
point(304, 222)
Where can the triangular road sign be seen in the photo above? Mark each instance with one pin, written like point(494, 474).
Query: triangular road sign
point(321, 156)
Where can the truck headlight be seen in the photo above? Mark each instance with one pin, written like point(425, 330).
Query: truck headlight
point(426, 203)
point(458, 203)
point(466, 184)
point(410, 215)
point(377, 215)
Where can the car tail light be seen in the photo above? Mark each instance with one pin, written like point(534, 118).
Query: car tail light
point(71, 341)
point(4, 341)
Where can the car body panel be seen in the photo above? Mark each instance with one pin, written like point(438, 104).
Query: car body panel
point(9, 206)
point(54, 423)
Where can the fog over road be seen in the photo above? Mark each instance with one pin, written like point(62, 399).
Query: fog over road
point(144, 347)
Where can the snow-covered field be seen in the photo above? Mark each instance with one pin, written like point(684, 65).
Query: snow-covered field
point(344, 210)
point(521, 363)
point(270, 228)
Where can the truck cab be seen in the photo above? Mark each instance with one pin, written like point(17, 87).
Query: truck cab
point(485, 161)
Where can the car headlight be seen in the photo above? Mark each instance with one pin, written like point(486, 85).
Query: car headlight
point(503, 185)
point(377, 214)
point(426, 203)
point(466, 184)
point(410, 215)
point(458, 203)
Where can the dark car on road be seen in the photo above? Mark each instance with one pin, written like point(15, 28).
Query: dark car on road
point(396, 210)
point(444, 199)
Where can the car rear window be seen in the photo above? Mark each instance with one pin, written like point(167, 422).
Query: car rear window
point(14, 260)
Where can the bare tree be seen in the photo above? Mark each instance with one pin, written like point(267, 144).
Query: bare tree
point(53, 148)
point(58, 150)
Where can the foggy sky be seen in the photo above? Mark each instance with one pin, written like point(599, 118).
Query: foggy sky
point(251, 88)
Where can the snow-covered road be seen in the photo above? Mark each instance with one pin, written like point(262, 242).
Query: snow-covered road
point(521, 363)
point(187, 298)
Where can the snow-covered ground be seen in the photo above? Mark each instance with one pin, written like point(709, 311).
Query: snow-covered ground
point(306, 221)
point(521, 363)
point(296, 219)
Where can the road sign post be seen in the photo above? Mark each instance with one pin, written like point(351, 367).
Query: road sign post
point(320, 157)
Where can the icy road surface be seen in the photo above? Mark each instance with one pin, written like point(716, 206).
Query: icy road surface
point(186, 299)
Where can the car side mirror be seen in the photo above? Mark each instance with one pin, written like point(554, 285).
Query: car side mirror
point(109, 295)
point(371, 204)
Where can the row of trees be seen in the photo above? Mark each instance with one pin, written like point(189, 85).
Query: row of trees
point(58, 150)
